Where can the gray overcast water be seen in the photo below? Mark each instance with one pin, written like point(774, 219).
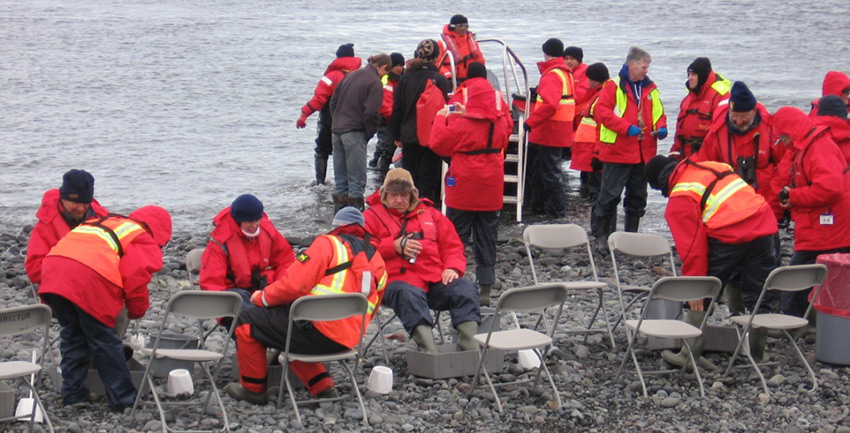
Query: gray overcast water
point(188, 103)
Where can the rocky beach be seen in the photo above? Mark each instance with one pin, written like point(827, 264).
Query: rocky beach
point(585, 370)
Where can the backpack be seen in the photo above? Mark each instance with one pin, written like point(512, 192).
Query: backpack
point(430, 101)
point(360, 265)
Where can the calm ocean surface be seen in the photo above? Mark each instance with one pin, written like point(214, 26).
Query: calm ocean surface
point(187, 103)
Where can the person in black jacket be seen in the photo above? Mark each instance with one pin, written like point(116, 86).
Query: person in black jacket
point(354, 113)
point(422, 163)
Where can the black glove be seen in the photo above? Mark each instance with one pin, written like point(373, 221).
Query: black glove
point(526, 126)
point(596, 164)
point(258, 280)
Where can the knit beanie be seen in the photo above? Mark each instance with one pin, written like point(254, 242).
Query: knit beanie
point(742, 98)
point(397, 59)
point(77, 186)
point(657, 171)
point(702, 67)
point(457, 19)
point(476, 70)
point(345, 50)
point(598, 72)
point(348, 215)
point(831, 105)
point(574, 52)
point(553, 47)
point(246, 207)
point(399, 181)
point(427, 49)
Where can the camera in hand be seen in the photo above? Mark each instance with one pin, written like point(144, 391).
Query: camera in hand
point(784, 195)
point(451, 108)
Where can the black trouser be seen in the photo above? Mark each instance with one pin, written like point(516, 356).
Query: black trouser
point(425, 168)
point(324, 143)
point(615, 178)
point(483, 227)
point(796, 303)
point(546, 181)
point(270, 326)
point(386, 146)
point(752, 261)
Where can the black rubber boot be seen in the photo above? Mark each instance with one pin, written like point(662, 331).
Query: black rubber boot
point(603, 229)
point(321, 165)
point(357, 202)
point(632, 222)
point(340, 201)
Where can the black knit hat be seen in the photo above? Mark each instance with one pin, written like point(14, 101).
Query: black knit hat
point(397, 59)
point(598, 72)
point(77, 186)
point(246, 207)
point(742, 98)
point(457, 19)
point(476, 70)
point(831, 105)
point(657, 171)
point(702, 67)
point(427, 49)
point(345, 50)
point(553, 47)
point(574, 52)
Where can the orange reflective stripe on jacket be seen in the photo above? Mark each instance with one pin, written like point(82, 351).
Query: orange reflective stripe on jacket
point(724, 197)
point(100, 244)
point(566, 110)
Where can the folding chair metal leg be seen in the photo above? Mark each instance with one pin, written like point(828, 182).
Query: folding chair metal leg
point(549, 376)
point(380, 334)
point(39, 405)
point(214, 390)
point(631, 352)
point(744, 339)
point(356, 391)
point(285, 375)
point(620, 319)
point(696, 369)
point(158, 405)
point(802, 359)
point(601, 307)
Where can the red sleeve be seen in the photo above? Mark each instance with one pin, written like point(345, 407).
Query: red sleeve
point(376, 228)
point(322, 93)
point(604, 109)
point(37, 248)
point(683, 217)
point(282, 256)
point(213, 268)
point(549, 90)
point(142, 258)
point(387, 103)
point(823, 165)
point(451, 248)
point(302, 276)
point(709, 151)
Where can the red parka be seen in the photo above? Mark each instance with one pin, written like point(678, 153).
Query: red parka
point(834, 83)
point(544, 130)
point(626, 149)
point(47, 231)
point(684, 215)
point(441, 246)
point(816, 171)
point(717, 146)
point(230, 257)
point(93, 292)
point(335, 72)
point(464, 49)
point(582, 86)
point(389, 81)
point(839, 129)
point(474, 141)
point(586, 138)
point(696, 113)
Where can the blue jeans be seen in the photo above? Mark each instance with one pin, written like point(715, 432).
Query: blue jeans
point(411, 303)
point(349, 164)
point(81, 337)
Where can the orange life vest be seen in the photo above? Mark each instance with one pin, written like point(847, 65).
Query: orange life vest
point(566, 110)
point(100, 244)
point(724, 197)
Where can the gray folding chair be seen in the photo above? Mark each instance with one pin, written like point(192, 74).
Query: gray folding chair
point(196, 305)
point(567, 236)
point(521, 300)
point(24, 320)
point(636, 245)
point(783, 279)
point(324, 308)
point(193, 264)
point(681, 289)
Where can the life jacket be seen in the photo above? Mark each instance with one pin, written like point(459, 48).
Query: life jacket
point(430, 101)
point(566, 110)
point(704, 112)
point(100, 244)
point(587, 129)
point(239, 270)
point(724, 197)
point(609, 136)
point(359, 266)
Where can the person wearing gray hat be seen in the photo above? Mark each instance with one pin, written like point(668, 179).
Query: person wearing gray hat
point(61, 210)
point(345, 260)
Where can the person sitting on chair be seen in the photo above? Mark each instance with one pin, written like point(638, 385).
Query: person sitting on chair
point(425, 261)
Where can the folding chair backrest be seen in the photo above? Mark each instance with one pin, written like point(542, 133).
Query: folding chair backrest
point(20, 320)
point(554, 236)
point(193, 260)
point(683, 289)
point(328, 307)
point(533, 298)
point(205, 305)
point(639, 244)
point(794, 278)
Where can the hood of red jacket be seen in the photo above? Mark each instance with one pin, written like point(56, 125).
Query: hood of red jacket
point(838, 128)
point(345, 64)
point(226, 226)
point(480, 99)
point(835, 82)
point(793, 122)
point(158, 221)
point(552, 63)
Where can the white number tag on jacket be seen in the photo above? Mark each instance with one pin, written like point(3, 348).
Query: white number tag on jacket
point(827, 219)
